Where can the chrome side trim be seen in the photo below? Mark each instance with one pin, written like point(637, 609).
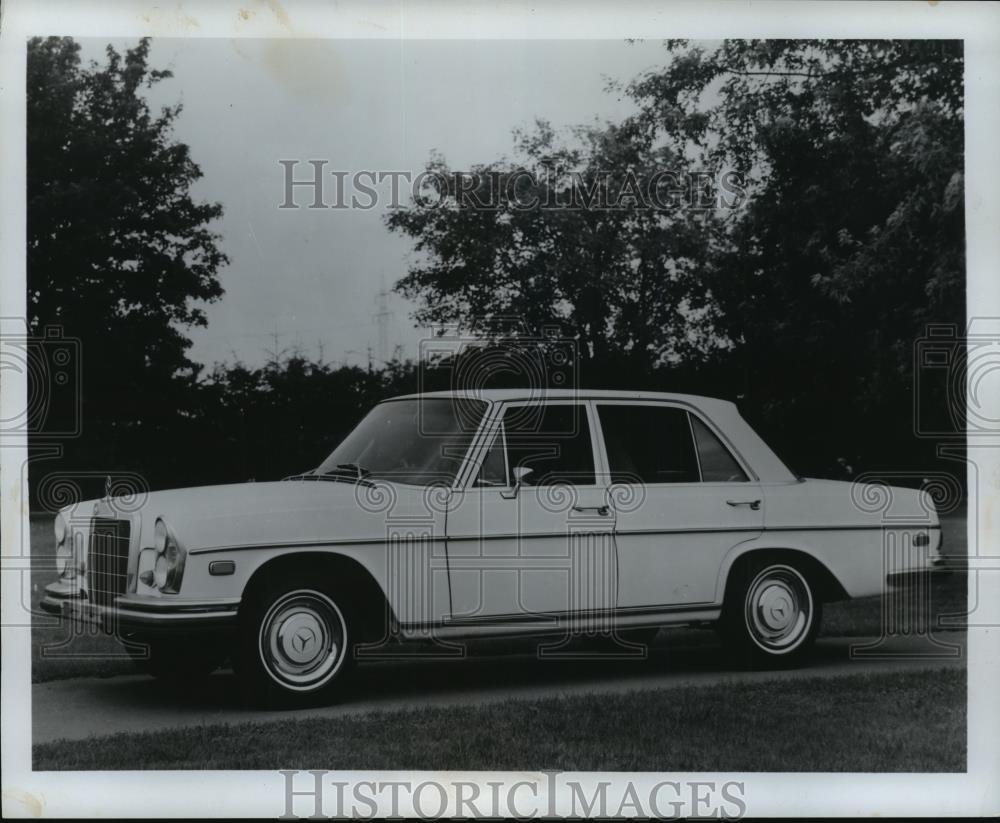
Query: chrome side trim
point(559, 624)
point(301, 544)
point(333, 544)
point(550, 617)
point(764, 529)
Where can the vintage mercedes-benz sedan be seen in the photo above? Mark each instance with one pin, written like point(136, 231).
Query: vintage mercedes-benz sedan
point(456, 515)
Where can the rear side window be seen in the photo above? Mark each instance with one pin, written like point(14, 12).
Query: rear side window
point(648, 444)
point(717, 463)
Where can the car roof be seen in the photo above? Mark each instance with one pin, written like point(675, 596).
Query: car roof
point(500, 395)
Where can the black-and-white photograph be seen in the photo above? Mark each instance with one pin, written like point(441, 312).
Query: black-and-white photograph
point(550, 405)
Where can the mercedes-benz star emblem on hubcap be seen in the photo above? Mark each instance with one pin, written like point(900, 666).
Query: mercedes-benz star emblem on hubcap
point(303, 638)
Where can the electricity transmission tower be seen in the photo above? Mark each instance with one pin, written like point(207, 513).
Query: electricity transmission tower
point(382, 317)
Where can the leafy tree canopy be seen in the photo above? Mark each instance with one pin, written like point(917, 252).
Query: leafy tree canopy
point(562, 244)
point(118, 250)
point(853, 237)
point(120, 255)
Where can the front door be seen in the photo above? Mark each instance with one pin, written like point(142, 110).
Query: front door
point(532, 534)
point(683, 502)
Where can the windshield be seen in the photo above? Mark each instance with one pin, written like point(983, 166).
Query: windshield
point(408, 441)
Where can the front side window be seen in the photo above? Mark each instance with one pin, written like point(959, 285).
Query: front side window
point(493, 472)
point(419, 441)
point(553, 441)
point(648, 444)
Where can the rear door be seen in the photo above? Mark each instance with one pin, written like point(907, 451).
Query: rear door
point(682, 499)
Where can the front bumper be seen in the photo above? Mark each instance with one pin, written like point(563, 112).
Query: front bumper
point(913, 577)
point(135, 613)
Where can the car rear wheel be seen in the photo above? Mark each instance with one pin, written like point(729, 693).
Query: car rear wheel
point(771, 615)
point(296, 642)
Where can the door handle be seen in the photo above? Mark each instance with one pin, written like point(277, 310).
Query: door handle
point(753, 504)
point(603, 511)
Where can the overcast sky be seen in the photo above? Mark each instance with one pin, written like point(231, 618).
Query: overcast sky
point(313, 277)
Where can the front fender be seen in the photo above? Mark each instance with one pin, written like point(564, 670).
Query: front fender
point(411, 573)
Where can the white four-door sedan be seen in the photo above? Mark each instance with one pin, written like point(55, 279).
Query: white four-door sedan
point(455, 515)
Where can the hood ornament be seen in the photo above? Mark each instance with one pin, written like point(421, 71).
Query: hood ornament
point(107, 496)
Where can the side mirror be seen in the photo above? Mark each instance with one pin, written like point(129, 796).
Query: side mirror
point(520, 472)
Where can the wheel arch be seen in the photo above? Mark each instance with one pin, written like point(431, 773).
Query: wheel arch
point(348, 574)
point(828, 587)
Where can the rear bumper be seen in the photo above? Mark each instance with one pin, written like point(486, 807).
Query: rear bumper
point(135, 613)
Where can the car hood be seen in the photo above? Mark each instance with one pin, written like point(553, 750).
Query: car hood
point(258, 514)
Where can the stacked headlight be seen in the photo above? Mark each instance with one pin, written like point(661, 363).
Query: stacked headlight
point(169, 567)
point(65, 562)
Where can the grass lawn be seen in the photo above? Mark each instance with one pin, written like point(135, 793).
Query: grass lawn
point(899, 722)
point(58, 653)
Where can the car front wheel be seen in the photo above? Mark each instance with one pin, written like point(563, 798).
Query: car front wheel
point(296, 643)
point(771, 615)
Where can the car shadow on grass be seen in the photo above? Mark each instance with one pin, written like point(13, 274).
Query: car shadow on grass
point(488, 671)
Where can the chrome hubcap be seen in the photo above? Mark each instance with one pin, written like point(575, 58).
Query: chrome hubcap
point(302, 639)
point(779, 609)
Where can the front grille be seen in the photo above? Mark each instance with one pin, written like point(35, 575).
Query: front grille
point(107, 559)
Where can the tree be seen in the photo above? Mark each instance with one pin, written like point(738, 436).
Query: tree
point(119, 253)
point(853, 237)
point(559, 238)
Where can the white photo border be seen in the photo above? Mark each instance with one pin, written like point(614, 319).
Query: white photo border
point(262, 793)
